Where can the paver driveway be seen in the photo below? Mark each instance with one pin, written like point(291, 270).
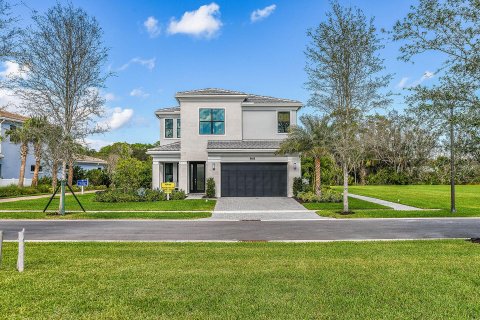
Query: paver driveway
point(262, 208)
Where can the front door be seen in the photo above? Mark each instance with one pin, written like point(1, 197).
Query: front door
point(197, 177)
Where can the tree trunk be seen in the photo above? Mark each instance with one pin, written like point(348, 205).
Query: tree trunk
point(23, 157)
point(318, 177)
point(37, 150)
point(345, 188)
point(452, 164)
point(54, 174)
point(61, 205)
point(363, 174)
point(70, 172)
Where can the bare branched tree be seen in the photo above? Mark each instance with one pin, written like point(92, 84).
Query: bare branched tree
point(63, 55)
point(344, 76)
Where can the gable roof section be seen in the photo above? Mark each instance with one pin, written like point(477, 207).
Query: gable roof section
point(175, 146)
point(243, 144)
point(248, 98)
point(88, 159)
point(12, 116)
point(168, 110)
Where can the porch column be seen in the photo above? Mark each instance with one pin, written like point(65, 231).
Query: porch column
point(155, 175)
point(294, 170)
point(183, 176)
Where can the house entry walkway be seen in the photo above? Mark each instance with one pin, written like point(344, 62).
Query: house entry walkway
point(261, 208)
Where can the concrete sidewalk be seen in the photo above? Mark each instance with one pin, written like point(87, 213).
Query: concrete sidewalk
point(393, 205)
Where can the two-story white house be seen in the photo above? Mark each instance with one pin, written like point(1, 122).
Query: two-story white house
point(230, 136)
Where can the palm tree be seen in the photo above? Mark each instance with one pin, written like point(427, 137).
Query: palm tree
point(38, 126)
point(312, 139)
point(22, 136)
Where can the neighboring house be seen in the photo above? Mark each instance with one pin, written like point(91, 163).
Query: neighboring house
point(230, 136)
point(10, 152)
point(90, 163)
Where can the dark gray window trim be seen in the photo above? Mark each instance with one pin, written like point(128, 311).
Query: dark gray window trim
point(283, 128)
point(211, 121)
point(169, 128)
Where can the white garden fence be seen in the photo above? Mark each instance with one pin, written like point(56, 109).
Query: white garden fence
point(8, 182)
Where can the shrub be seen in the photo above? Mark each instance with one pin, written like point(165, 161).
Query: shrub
point(128, 174)
point(178, 195)
point(210, 192)
point(98, 177)
point(328, 195)
point(15, 191)
point(297, 186)
point(140, 195)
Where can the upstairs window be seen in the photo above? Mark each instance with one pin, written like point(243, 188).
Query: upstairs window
point(178, 128)
point(168, 128)
point(283, 119)
point(212, 121)
point(32, 168)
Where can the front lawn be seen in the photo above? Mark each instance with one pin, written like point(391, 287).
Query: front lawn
point(343, 280)
point(90, 205)
point(435, 197)
point(106, 215)
point(354, 204)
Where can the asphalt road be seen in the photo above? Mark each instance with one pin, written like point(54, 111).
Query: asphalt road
point(360, 229)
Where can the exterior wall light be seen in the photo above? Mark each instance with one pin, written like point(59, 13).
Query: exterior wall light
point(294, 166)
point(213, 166)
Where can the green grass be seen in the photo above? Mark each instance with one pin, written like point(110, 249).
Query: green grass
point(360, 280)
point(106, 215)
point(354, 204)
point(90, 205)
point(421, 196)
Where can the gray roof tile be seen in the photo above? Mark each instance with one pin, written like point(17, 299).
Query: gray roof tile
point(250, 98)
point(171, 109)
point(243, 144)
point(175, 146)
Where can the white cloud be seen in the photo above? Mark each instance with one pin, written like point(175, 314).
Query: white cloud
point(12, 69)
point(403, 83)
point(97, 144)
point(110, 97)
point(151, 24)
point(147, 63)
point(203, 22)
point(9, 100)
point(261, 14)
point(138, 92)
point(118, 118)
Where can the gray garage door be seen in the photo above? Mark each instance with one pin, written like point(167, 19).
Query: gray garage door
point(254, 179)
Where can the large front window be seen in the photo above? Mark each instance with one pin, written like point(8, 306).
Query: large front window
point(283, 121)
point(212, 121)
point(168, 128)
point(168, 172)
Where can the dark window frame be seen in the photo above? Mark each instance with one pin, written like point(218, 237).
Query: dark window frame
point(283, 126)
point(178, 128)
point(170, 165)
point(212, 122)
point(168, 131)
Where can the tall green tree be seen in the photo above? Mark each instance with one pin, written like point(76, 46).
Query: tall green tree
point(452, 29)
point(312, 139)
point(345, 78)
point(450, 106)
point(64, 56)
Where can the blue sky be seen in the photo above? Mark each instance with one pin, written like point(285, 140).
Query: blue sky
point(160, 47)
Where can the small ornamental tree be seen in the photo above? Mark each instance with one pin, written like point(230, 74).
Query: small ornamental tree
point(128, 174)
point(210, 192)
